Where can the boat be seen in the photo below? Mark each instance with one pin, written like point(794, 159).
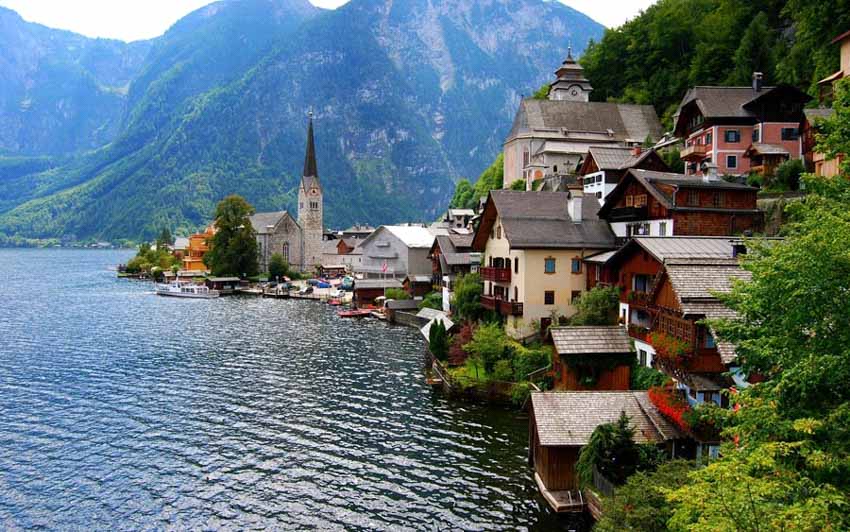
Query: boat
point(334, 302)
point(356, 313)
point(187, 290)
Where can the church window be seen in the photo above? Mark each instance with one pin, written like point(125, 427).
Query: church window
point(285, 251)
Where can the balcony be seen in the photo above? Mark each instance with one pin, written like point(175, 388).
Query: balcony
point(505, 308)
point(694, 152)
point(628, 214)
point(638, 298)
point(639, 332)
point(496, 275)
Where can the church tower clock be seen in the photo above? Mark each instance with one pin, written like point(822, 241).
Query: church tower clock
point(310, 205)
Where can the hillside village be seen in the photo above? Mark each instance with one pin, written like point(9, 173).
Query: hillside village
point(591, 213)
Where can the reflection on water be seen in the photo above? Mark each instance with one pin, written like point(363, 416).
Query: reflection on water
point(120, 409)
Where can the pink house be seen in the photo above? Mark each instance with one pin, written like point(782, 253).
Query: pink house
point(740, 129)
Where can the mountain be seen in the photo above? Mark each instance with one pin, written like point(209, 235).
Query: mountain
point(61, 92)
point(408, 97)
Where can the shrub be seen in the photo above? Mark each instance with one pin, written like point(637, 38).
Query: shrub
point(433, 300)
point(488, 344)
point(396, 293)
point(278, 267)
point(526, 360)
point(457, 354)
point(788, 175)
point(466, 301)
point(520, 392)
point(438, 340)
point(597, 306)
point(644, 378)
point(755, 180)
point(519, 184)
point(503, 371)
point(612, 451)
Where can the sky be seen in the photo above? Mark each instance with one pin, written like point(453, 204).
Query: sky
point(130, 20)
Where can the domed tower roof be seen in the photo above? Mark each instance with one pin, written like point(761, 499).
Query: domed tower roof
point(571, 84)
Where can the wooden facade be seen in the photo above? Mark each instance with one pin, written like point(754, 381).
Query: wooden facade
point(617, 378)
point(556, 465)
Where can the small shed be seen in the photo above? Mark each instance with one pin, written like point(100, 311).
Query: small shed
point(418, 285)
point(332, 271)
point(225, 285)
point(561, 423)
point(367, 290)
point(592, 357)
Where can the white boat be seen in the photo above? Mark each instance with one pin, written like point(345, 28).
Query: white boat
point(188, 290)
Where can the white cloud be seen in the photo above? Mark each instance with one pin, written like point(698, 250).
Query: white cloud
point(144, 19)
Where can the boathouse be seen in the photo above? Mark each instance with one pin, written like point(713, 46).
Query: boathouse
point(592, 358)
point(561, 423)
point(367, 290)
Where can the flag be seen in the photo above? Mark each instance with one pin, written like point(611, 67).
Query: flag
point(384, 267)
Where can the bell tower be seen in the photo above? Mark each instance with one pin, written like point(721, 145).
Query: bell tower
point(310, 204)
point(570, 85)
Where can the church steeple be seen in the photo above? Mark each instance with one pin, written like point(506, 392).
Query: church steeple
point(570, 83)
point(310, 168)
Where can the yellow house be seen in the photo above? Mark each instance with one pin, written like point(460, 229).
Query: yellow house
point(823, 165)
point(193, 258)
point(533, 245)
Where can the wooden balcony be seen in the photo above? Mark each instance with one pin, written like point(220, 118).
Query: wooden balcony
point(628, 214)
point(505, 308)
point(694, 152)
point(639, 333)
point(496, 275)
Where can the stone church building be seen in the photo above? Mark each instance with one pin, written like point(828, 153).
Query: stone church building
point(298, 241)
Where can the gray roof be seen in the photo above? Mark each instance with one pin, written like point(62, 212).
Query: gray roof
point(616, 157)
point(540, 220)
point(419, 278)
point(261, 220)
point(223, 279)
point(461, 212)
point(666, 248)
point(591, 340)
point(430, 314)
point(623, 121)
point(368, 284)
point(601, 258)
point(767, 149)
point(181, 242)
point(569, 418)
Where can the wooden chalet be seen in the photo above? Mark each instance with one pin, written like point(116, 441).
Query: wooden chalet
point(647, 203)
point(561, 423)
point(225, 285)
point(331, 271)
point(592, 358)
point(604, 166)
point(418, 285)
point(367, 290)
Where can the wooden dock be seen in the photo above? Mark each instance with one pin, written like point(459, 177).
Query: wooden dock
point(561, 500)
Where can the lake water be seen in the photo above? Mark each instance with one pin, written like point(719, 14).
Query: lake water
point(123, 410)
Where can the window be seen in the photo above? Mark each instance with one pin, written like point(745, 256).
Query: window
point(662, 229)
point(693, 198)
point(574, 296)
point(630, 201)
point(576, 265)
point(640, 282)
point(598, 195)
point(709, 341)
point(719, 199)
point(731, 161)
point(549, 297)
point(692, 393)
point(708, 138)
point(516, 264)
point(642, 355)
point(732, 136)
point(640, 200)
point(285, 251)
point(499, 232)
point(790, 133)
point(549, 265)
point(756, 134)
point(516, 294)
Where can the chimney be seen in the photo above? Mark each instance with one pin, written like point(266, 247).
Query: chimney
point(574, 207)
point(757, 80)
point(709, 172)
point(637, 150)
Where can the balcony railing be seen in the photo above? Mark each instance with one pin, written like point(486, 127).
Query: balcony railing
point(496, 275)
point(694, 152)
point(503, 307)
point(639, 332)
point(628, 214)
point(638, 298)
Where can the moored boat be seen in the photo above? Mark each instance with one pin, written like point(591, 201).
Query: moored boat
point(186, 290)
point(356, 313)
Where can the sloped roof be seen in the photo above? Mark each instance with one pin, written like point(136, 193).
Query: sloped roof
point(368, 284)
point(262, 220)
point(181, 242)
point(412, 236)
point(591, 340)
point(569, 418)
point(759, 148)
point(667, 248)
point(540, 220)
point(617, 121)
point(601, 258)
point(611, 157)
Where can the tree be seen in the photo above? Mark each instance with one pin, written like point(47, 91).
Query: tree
point(542, 93)
point(464, 195)
point(834, 138)
point(433, 300)
point(278, 267)
point(612, 451)
point(641, 503)
point(597, 306)
point(438, 340)
point(233, 248)
point(396, 293)
point(165, 239)
point(754, 52)
point(488, 345)
point(466, 300)
point(788, 175)
point(519, 184)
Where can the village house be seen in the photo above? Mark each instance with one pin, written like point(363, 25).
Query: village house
point(193, 257)
point(591, 357)
point(605, 166)
point(740, 129)
point(826, 86)
point(396, 251)
point(647, 203)
point(551, 137)
point(342, 252)
point(366, 291)
point(533, 245)
point(357, 232)
point(561, 423)
point(459, 218)
point(417, 286)
point(451, 257)
point(818, 162)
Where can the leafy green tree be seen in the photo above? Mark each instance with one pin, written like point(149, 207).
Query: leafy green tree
point(434, 300)
point(438, 340)
point(754, 52)
point(464, 196)
point(519, 184)
point(233, 248)
point(466, 300)
point(673, 160)
point(278, 267)
point(612, 451)
point(834, 139)
point(597, 306)
point(641, 503)
point(788, 175)
point(542, 93)
point(488, 344)
point(397, 294)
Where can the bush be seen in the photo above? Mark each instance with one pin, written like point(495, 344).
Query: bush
point(488, 344)
point(466, 300)
point(278, 267)
point(519, 184)
point(644, 378)
point(433, 300)
point(526, 360)
point(788, 175)
point(503, 371)
point(396, 293)
point(612, 451)
point(755, 180)
point(520, 392)
point(597, 306)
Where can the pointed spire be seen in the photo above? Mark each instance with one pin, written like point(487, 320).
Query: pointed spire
point(310, 168)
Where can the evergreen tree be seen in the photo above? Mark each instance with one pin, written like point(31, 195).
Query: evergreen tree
point(233, 249)
point(438, 340)
point(278, 267)
point(165, 238)
point(754, 52)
